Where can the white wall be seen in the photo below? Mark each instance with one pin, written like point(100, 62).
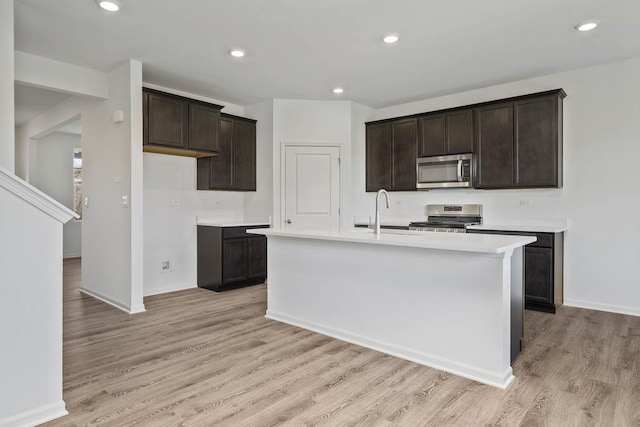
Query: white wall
point(601, 134)
point(258, 205)
point(310, 121)
point(32, 70)
point(88, 85)
point(67, 111)
point(7, 114)
point(30, 314)
point(112, 240)
point(55, 178)
point(112, 168)
point(170, 230)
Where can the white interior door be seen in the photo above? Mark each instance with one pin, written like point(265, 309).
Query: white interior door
point(312, 186)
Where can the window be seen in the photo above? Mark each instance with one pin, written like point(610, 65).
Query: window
point(77, 181)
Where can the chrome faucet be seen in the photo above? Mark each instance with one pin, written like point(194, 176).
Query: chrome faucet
point(376, 225)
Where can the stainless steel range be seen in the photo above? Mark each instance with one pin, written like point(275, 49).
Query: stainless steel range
point(449, 218)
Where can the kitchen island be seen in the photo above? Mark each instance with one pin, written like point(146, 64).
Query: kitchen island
point(450, 301)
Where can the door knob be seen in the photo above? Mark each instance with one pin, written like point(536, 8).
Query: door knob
point(288, 221)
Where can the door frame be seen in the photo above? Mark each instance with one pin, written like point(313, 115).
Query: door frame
point(283, 160)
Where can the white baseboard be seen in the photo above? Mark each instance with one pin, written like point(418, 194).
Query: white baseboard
point(501, 380)
point(117, 304)
point(65, 256)
point(167, 289)
point(36, 416)
point(602, 307)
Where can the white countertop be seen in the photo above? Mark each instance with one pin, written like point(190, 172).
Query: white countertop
point(213, 222)
point(481, 243)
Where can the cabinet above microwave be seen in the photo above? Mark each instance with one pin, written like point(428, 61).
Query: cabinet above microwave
point(514, 142)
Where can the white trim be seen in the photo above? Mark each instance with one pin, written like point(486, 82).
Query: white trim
point(37, 416)
point(631, 311)
point(172, 288)
point(481, 375)
point(120, 306)
point(35, 197)
point(283, 159)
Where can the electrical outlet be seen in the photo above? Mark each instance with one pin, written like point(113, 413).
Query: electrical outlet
point(125, 201)
point(166, 266)
point(526, 203)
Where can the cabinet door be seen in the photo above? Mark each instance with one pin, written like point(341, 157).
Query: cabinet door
point(221, 166)
point(234, 260)
point(538, 275)
point(204, 127)
point(403, 154)
point(536, 142)
point(244, 155)
point(432, 135)
point(167, 121)
point(378, 157)
point(459, 126)
point(494, 146)
point(257, 256)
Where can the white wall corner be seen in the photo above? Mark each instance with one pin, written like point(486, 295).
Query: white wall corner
point(137, 188)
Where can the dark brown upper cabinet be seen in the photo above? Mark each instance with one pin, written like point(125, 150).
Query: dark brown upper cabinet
point(391, 155)
point(234, 168)
point(446, 133)
point(179, 126)
point(519, 143)
point(538, 141)
point(494, 146)
point(378, 156)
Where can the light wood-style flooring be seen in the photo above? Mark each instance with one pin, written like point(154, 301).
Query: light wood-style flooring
point(200, 358)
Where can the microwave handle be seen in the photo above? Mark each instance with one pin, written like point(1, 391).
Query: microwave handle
point(460, 177)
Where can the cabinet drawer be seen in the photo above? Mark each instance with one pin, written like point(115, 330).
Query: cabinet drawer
point(238, 232)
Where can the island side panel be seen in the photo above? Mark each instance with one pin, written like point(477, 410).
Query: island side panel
point(517, 302)
point(445, 309)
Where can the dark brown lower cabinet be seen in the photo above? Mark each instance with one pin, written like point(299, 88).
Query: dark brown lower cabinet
point(229, 257)
point(543, 269)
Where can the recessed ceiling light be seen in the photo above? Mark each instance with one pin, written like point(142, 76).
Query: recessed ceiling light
point(338, 90)
point(237, 53)
point(109, 5)
point(390, 38)
point(587, 26)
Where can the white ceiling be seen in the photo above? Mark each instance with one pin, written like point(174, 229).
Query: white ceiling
point(302, 49)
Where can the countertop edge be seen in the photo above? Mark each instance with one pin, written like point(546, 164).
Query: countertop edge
point(523, 228)
point(407, 240)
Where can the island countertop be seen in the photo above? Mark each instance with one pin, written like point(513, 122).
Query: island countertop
point(480, 243)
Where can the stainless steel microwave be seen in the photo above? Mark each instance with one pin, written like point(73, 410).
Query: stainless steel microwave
point(455, 171)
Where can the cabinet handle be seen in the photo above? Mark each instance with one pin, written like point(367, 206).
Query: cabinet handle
point(288, 221)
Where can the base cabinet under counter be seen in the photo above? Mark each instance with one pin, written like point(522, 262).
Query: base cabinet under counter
point(229, 257)
point(543, 269)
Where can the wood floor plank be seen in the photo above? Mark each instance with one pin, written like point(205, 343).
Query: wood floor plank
point(200, 358)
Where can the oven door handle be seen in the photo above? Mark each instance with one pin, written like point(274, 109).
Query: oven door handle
point(460, 177)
